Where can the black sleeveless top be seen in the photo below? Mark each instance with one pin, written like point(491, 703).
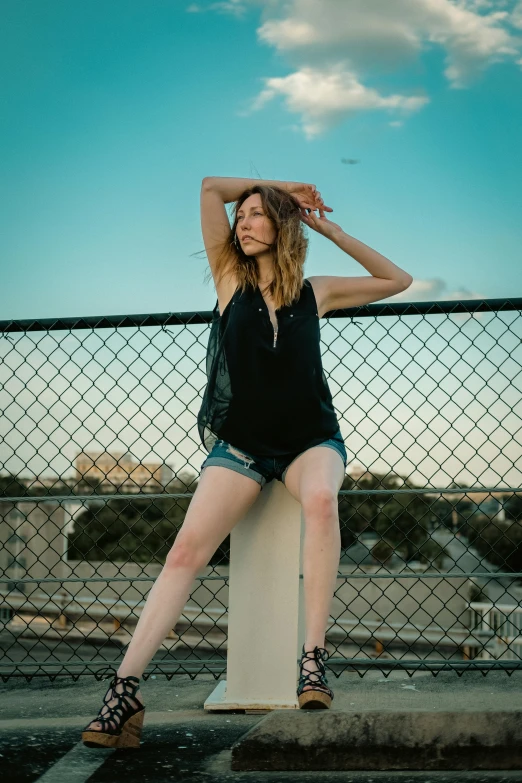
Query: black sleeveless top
point(266, 394)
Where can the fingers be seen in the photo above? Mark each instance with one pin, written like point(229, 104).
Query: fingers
point(320, 202)
point(314, 200)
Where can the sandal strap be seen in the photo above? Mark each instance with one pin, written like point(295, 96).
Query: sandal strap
point(118, 712)
point(319, 655)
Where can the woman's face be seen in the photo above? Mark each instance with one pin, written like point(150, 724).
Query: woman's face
point(253, 222)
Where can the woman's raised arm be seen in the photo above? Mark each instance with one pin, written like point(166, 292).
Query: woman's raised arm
point(230, 188)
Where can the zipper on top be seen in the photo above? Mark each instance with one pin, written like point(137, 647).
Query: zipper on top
point(275, 328)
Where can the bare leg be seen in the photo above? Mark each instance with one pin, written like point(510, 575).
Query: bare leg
point(221, 499)
point(165, 601)
point(314, 479)
point(321, 553)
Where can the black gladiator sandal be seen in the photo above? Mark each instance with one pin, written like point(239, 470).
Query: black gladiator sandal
point(319, 696)
point(121, 724)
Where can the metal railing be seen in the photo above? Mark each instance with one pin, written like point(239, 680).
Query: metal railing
point(99, 457)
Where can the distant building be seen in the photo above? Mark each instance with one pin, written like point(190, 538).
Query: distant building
point(121, 470)
point(32, 544)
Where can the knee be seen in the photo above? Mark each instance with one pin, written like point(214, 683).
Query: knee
point(185, 553)
point(321, 505)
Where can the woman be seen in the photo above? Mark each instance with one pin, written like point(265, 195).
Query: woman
point(266, 413)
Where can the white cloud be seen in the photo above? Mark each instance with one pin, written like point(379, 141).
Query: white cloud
point(336, 49)
point(433, 290)
point(389, 33)
point(325, 97)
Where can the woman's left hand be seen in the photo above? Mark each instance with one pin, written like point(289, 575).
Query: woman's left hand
point(320, 224)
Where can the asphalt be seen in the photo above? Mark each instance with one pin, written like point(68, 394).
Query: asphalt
point(41, 721)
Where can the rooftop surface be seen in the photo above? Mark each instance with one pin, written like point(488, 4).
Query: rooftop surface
point(41, 721)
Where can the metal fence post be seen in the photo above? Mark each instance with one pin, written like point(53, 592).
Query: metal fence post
point(265, 606)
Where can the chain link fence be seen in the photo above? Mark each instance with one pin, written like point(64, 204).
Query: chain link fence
point(99, 457)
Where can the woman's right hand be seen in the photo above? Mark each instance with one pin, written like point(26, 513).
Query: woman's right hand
point(308, 196)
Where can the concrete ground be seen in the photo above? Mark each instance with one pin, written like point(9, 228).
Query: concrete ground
point(41, 721)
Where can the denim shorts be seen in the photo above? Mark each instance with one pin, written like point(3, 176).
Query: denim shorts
point(264, 469)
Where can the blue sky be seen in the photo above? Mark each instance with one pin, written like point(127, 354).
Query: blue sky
point(114, 112)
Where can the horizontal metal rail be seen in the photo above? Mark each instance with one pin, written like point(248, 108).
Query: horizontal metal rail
point(168, 495)
point(210, 578)
point(217, 667)
point(205, 316)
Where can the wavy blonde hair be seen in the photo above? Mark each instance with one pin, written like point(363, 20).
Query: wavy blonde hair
point(289, 248)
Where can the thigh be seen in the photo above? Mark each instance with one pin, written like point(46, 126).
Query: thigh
point(221, 499)
point(226, 455)
point(318, 470)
